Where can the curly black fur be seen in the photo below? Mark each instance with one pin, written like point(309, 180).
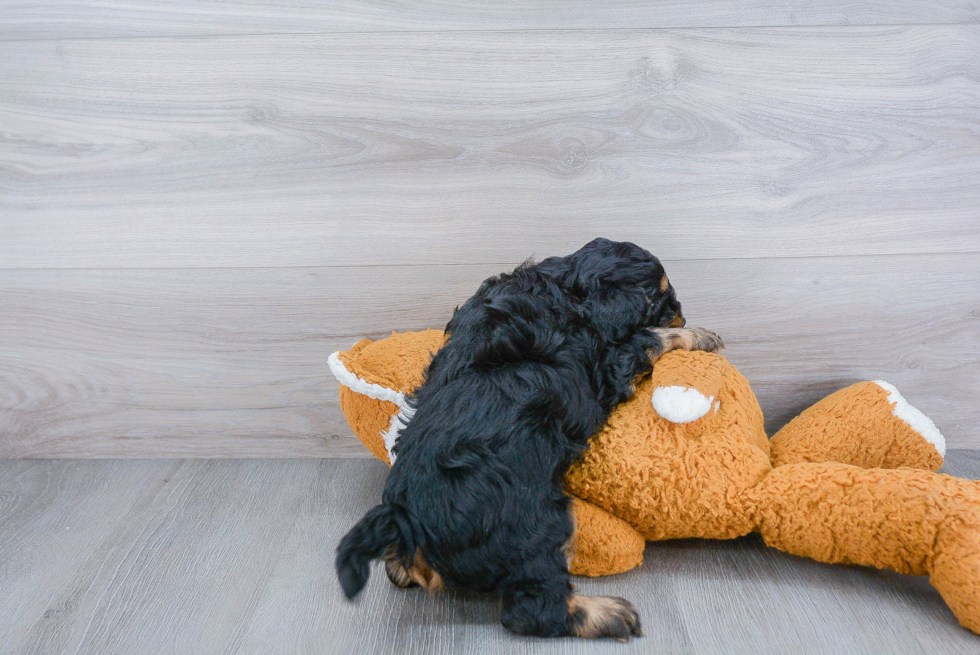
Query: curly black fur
point(534, 363)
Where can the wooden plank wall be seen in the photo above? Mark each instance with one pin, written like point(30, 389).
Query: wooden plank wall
point(197, 206)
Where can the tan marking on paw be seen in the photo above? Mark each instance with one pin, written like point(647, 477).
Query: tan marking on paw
point(424, 576)
point(689, 339)
point(594, 617)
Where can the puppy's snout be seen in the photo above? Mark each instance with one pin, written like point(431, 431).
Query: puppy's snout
point(679, 321)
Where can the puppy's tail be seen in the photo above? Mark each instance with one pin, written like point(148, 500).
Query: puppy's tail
point(380, 528)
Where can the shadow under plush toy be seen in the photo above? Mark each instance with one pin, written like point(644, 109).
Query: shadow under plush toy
point(850, 480)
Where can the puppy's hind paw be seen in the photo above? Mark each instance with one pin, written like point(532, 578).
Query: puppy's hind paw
point(398, 574)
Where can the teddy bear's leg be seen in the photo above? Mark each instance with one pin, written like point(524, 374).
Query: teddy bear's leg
point(867, 424)
point(907, 520)
point(602, 544)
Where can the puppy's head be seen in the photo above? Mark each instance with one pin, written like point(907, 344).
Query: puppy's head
point(622, 285)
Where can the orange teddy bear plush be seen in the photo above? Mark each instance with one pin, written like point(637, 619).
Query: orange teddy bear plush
point(851, 480)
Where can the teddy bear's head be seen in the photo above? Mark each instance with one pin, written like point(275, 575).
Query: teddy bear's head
point(375, 377)
point(674, 460)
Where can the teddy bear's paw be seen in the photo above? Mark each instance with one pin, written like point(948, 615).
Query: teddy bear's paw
point(956, 571)
point(914, 418)
point(954, 546)
point(596, 617)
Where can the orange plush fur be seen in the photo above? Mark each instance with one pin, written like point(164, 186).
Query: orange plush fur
point(851, 479)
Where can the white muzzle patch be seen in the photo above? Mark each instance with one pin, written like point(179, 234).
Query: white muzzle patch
point(681, 404)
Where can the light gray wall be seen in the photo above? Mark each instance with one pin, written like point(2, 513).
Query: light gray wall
point(197, 208)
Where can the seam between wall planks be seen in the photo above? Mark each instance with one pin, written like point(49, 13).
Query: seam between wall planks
point(828, 26)
point(474, 263)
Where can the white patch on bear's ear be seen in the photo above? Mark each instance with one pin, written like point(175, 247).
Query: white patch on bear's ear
point(398, 423)
point(915, 418)
point(355, 383)
point(681, 404)
point(376, 391)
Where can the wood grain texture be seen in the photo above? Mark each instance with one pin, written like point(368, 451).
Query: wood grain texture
point(198, 533)
point(53, 519)
point(232, 362)
point(476, 147)
point(237, 556)
point(49, 19)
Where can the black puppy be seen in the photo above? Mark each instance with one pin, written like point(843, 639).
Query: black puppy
point(533, 365)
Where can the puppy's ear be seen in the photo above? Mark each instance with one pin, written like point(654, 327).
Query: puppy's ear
point(617, 311)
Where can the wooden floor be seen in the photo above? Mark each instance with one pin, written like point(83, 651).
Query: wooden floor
point(212, 556)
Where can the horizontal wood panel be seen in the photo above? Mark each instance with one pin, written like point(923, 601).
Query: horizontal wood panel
point(46, 19)
point(389, 149)
point(232, 362)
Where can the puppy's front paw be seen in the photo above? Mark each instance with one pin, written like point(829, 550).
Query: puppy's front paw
point(706, 340)
point(597, 617)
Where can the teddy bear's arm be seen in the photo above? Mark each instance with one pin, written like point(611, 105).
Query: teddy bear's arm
point(868, 424)
point(603, 544)
point(907, 520)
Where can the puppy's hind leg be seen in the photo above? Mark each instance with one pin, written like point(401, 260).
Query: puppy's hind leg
point(419, 574)
point(396, 570)
point(543, 604)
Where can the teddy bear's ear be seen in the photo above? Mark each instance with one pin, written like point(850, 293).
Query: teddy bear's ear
point(345, 368)
point(372, 410)
point(376, 377)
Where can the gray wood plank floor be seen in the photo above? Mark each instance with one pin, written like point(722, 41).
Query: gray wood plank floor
point(210, 556)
